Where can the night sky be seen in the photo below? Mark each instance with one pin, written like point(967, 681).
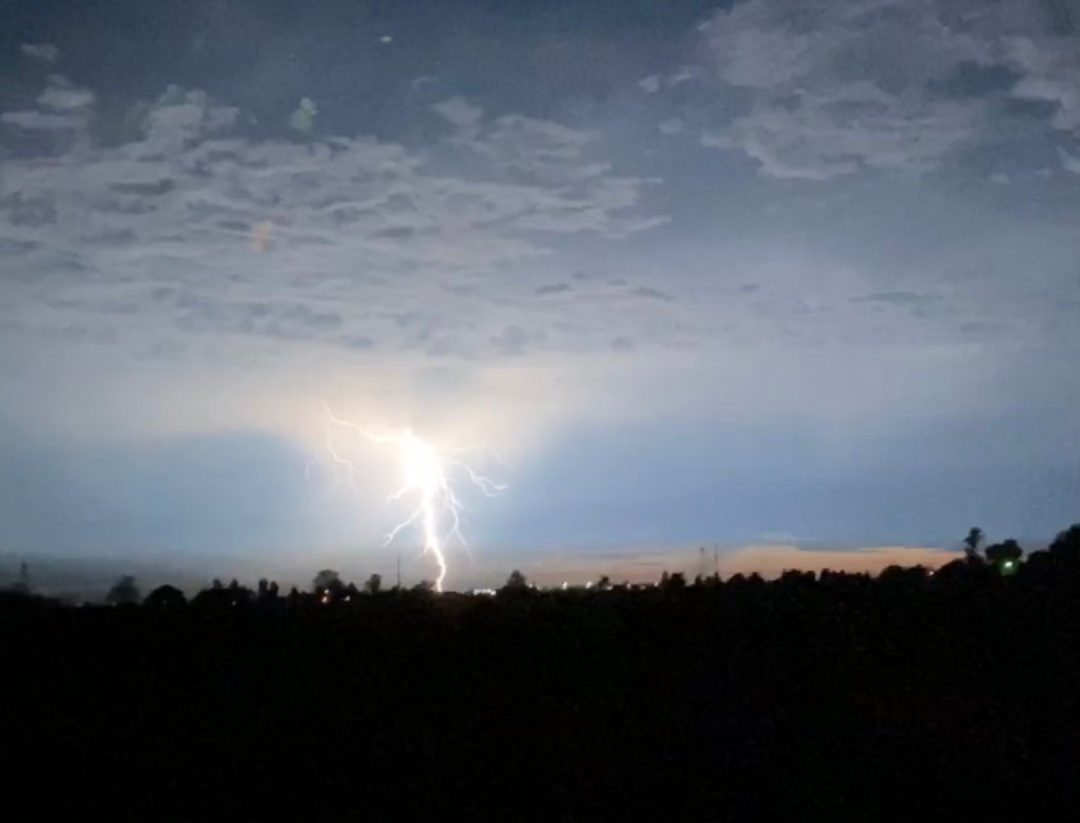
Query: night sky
point(677, 273)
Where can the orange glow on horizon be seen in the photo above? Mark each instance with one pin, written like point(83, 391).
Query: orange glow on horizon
point(769, 561)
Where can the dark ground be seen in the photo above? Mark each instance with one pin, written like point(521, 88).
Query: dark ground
point(904, 698)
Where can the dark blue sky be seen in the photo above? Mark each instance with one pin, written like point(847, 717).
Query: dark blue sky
point(676, 273)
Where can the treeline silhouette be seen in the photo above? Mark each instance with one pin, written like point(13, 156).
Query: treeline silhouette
point(916, 693)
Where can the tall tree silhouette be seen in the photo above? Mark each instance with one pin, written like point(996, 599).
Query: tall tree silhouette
point(516, 589)
point(516, 580)
point(124, 592)
point(972, 542)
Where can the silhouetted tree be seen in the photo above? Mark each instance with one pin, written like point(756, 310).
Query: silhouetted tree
point(905, 579)
point(604, 583)
point(267, 592)
point(972, 542)
point(124, 592)
point(220, 599)
point(516, 580)
point(957, 570)
point(891, 572)
point(165, 598)
point(797, 577)
point(516, 589)
point(1005, 556)
point(673, 582)
point(1065, 549)
point(373, 584)
point(849, 687)
point(327, 580)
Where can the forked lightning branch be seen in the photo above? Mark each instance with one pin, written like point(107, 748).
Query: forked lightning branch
point(430, 478)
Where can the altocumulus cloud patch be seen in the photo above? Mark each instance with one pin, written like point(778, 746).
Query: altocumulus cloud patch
point(200, 226)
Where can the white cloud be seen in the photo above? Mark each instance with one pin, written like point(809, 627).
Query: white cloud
point(1050, 72)
point(671, 126)
point(180, 118)
point(684, 74)
point(1069, 162)
point(303, 117)
point(856, 85)
point(62, 107)
point(46, 52)
point(62, 96)
point(460, 113)
point(815, 140)
point(196, 243)
point(650, 85)
point(323, 243)
point(40, 121)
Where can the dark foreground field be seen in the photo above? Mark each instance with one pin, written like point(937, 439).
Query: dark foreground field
point(910, 697)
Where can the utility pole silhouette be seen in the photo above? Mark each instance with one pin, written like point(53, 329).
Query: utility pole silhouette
point(399, 567)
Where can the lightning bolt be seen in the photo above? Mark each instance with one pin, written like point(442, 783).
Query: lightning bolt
point(428, 477)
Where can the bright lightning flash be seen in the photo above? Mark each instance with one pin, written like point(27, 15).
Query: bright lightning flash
point(428, 474)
